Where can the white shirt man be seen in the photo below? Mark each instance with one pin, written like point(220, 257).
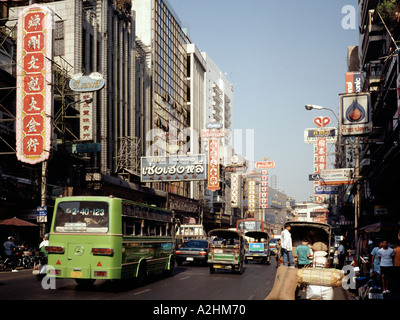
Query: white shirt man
point(286, 240)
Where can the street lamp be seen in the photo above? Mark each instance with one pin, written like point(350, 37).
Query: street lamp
point(357, 167)
point(313, 106)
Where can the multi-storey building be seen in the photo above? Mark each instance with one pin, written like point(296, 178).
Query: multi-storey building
point(379, 173)
point(159, 28)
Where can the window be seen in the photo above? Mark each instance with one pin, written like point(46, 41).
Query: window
point(59, 32)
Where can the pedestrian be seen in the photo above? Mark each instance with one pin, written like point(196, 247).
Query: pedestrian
point(303, 253)
point(10, 249)
point(43, 244)
point(278, 248)
point(375, 263)
point(386, 255)
point(286, 240)
point(396, 265)
point(341, 252)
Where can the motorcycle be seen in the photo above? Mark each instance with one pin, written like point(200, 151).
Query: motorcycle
point(40, 267)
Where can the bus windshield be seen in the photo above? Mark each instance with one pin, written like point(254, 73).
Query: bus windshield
point(82, 217)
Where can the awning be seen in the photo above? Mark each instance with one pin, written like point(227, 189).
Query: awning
point(17, 222)
point(379, 226)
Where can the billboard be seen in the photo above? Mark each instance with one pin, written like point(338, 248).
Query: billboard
point(337, 176)
point(213, 165)
point(34, 101)
point(355, 114)
point(173, 168)
point(311, 135)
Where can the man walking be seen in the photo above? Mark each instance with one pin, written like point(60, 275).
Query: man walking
point(386, 255)
point(287, 254)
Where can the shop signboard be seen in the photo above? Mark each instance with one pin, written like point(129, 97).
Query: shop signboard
point(34, 94)
point(355, 114)
point(173, 168)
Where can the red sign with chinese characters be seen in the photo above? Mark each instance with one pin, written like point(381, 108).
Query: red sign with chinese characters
point(34, 83)
point(213, 165)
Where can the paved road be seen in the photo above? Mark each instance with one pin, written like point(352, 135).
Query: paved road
point(189, 282)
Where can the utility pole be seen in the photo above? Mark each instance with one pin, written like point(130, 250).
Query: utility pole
point(357, 197)
point(43, 192)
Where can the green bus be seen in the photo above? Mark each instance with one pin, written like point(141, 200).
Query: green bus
point(94, 237)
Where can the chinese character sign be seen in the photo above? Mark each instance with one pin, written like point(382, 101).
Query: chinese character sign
point(251, 196)
point(34, 84)
point(264, 189)
point(213, 165)
point(86, 118)
point(234, 190)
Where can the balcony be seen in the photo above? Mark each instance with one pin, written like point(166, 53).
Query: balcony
point(374, 39)
point(365, 6)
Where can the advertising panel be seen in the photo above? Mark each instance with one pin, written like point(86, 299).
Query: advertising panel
point(34, 101)
point(355, 114)
point(251, 196)
point(337, 176)
point(213, 165)
point(173, 168)
point(353, 82)
point(234, 190)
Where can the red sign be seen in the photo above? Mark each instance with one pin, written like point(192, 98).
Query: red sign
point(34, 83)
point(322, 121)
point(264, 165)
point(213, 165)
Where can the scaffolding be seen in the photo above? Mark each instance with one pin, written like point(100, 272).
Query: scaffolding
point(128, 155)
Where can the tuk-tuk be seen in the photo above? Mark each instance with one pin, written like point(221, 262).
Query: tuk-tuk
point(315, 233)
point(257, 247)
point(226, 250)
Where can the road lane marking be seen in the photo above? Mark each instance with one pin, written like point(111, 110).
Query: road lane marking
point(143, 291)
point(184, 278)
point(251, 297)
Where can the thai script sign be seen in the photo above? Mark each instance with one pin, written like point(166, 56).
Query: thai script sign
point(34, 102)
point(311, 135)
point(213, 165)
point(173, 168)
point(355, 114)
point(264, 165)
point(92, 82)
point(337, 176)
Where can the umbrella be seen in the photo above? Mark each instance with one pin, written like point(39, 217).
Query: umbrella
point(379, 226)
point(17, 222)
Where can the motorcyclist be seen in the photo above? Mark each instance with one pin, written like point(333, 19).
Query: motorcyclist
point(10, 248)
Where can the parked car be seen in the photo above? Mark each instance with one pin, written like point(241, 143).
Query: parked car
point(192, 251)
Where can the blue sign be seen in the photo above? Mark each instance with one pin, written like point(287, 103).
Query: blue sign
point(41, 211)
point(87, 147)
point(327, 190)
point(256, 247)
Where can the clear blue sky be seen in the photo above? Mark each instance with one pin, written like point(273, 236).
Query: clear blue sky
point(279, 56)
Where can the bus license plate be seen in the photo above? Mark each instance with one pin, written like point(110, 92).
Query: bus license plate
point(76, 274)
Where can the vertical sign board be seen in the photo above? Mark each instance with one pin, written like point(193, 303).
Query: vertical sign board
point(213, 165)
point(396, 117)
point(34, 84)
point(86, 118)
point(251, 196)
point(234, 190)
point(353, 82)
point(264, 189)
